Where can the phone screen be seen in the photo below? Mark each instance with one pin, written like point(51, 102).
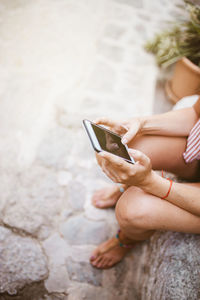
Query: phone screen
point(110, 142)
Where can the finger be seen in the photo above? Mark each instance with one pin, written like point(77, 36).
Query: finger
point(105, 121)
point(109, 174)
point(125, 125)
point(108, 168)
point(130, 134)
point(140, 157)
point(114, 160)
point(99, 159)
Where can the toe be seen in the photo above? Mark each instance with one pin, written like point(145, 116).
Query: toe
point(94, 202)
point(104, 204)
point(110, 263)
point(97, 262)
point(99, 203)
point(104, 263)
point(94, 254)
point(95, 198)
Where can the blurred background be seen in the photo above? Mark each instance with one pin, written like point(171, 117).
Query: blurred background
point(62, 61)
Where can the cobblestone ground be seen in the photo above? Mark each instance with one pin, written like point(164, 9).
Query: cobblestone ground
point(62, 61)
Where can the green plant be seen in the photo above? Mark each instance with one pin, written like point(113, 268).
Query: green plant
point(183, 39)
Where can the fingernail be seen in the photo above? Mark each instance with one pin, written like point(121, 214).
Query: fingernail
point(125, 127)
point(131, 150)
point(92, 257)
point(124, 141)
point(101, 153)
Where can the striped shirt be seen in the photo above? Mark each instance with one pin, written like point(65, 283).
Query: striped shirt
point(193, 144)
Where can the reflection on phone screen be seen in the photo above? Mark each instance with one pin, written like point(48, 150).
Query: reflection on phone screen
point(110, 142)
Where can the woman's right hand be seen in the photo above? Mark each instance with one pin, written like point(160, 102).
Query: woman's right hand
point(127, 129)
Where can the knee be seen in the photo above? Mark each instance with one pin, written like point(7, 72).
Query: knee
point(134, 209)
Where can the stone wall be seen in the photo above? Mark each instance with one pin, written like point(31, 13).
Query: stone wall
point(168, 267)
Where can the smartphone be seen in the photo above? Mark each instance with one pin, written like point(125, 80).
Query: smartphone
point(103, 139)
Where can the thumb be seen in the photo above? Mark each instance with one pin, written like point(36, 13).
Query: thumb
point(140, 157)
point(130, 134)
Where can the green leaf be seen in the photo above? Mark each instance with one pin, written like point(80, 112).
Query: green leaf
point(182, 39)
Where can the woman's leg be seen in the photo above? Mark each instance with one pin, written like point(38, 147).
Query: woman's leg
point(166, 153)
point(137, 210)
point(139, 214)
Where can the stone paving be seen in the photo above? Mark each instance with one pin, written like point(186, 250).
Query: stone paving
point(62, 61)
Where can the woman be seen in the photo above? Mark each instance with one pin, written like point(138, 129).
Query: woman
point(146, 201)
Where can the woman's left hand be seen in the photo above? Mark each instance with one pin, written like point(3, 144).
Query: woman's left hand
point(120, 171)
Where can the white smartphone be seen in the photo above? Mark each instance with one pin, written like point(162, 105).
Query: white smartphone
point(103, 139)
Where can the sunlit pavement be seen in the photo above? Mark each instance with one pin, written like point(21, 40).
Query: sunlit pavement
point(62, 61)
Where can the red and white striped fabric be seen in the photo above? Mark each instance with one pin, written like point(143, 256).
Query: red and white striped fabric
point(193, 144)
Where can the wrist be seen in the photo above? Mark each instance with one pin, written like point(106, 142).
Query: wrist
point(150, 182)
point(147, 182)
point(142, 121)
point(157, 185)
point(145, 124)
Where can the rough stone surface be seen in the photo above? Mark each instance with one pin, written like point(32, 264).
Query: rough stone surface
point(35, 291)
point(172, 270)
point(77, 195)
point(103, 76)
point(22, 262)
point(55, 148)
point(63, 61)
point(113, 53)
point(78, 230)
point(36, 205)
point(84, 272)
point(54, 296)
point(133, 3)
point(114, 31)
point(58, 279)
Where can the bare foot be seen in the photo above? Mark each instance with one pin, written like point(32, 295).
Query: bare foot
point(106, 197)
point(108, 254)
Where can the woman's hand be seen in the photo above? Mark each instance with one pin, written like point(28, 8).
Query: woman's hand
point(120, 171)
point(127, 129)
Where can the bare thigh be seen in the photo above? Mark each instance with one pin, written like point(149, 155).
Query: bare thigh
point(166, 153)
point(139, 212)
